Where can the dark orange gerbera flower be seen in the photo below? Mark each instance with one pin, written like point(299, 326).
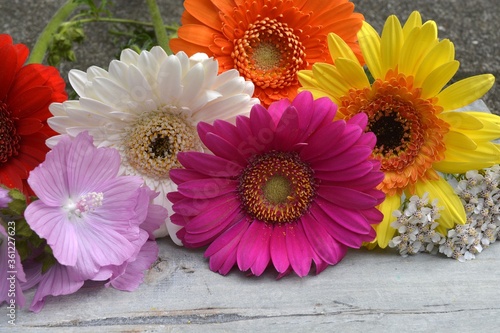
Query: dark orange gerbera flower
point(268, 41)
point(25, 95)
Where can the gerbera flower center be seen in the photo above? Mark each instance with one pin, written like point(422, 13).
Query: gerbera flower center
point(152, 144)
point(9, 139)
point(86, 203)
point(409, 134)
point(277, 187)
point(269, 54)
point(393, 130)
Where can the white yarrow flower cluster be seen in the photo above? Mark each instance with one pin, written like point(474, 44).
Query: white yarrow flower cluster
point(480, 193)
point(416, 224)
point(147, 106)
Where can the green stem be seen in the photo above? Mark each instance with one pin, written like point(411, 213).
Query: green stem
point(42, 43)
point(159, 27)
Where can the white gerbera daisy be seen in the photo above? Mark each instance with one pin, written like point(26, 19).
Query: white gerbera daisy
point(147, 106)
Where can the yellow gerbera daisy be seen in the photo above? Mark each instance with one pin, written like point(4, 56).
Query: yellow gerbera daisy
point(418, 133)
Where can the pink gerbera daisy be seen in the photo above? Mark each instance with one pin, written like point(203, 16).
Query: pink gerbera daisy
point(288, 187)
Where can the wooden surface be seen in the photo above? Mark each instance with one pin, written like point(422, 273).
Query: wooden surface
point(376, 291)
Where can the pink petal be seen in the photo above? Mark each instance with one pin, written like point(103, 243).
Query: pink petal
point(254, 244)
point(347, 197)
point(340, 233)
point(287, 130)
point(207, 188)
point(49, 179)
point(372, 215)
point(11, 271)
point(100, 245)
point(214, 215)
point(58, 280)
point(222, 252)
point(202, 238)
point(276, 109)
point(349, 218)
point(322, 140)
point(89, 166)
point(277, 247)
point(193, 207)
point(351, 158)
point(260, 121)
point(133, 275)
point(368, 182)
point(314, 114)
point(210, 165)
point(359, 171)
point(321, 241)
point(299, 250)
point(182, 175)
point(359, 119)
point(223, 148)
point(52, 224)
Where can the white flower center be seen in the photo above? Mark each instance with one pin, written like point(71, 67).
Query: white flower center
point(86, 203)
point(152, 143)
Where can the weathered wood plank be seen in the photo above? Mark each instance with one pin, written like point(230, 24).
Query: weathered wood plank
point(367, 290)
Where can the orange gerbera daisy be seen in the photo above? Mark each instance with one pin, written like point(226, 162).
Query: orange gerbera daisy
point(25, 95)
point(268, 41)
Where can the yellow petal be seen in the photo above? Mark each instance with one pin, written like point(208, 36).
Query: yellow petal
point(485, 152)
point(390, 43)
point(384, 230)
point(339, 49)
point(330, 80)
point(369, 42)
point(460, 167)
point(465, 91)
point(459, 140)
point(306, 78)
point(352, 73)
point(416, 47)
point(461, 120)
point(438, 78)
point(441, 53)
point(453, 211)
point(461, 156)
point(318, 93)
point(413, 21)
point(486, 117)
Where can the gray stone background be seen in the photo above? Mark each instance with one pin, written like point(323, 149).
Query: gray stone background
point(473, 26)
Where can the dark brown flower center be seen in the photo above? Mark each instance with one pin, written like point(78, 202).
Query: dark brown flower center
point(277, 187)
point(269, 54)
point(398, 129)
point(9, 139)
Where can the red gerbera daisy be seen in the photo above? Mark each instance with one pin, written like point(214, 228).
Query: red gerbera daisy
point(25, 95)
point(267, 41)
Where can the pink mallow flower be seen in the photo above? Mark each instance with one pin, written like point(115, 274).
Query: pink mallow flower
point(289, 186)
point(5, 198)
point(98, 224)
point(11, 271)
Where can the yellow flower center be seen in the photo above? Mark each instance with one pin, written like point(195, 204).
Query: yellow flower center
point(269, 54)
point(9, 139)
point(276, 187)
point(410, 136)
point(152, 143)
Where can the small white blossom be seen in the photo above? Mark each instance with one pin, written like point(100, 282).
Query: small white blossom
point(479, 192)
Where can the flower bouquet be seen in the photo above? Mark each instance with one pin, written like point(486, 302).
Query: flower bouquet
point(273, 134)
